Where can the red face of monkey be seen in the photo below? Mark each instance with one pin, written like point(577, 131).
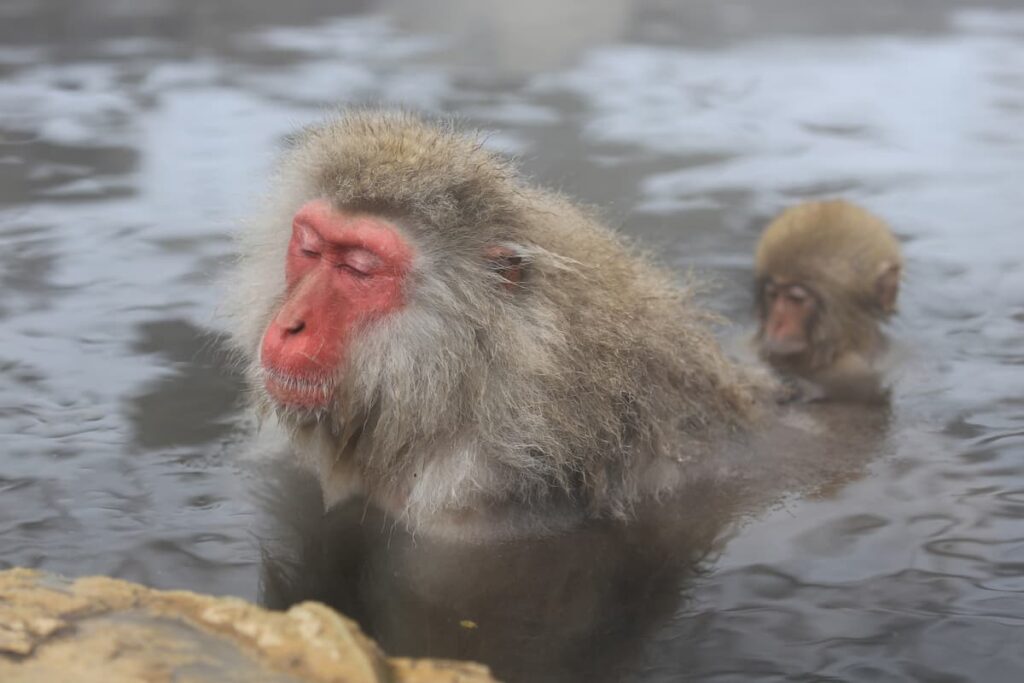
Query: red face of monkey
point(787, 313)
point(342, 270)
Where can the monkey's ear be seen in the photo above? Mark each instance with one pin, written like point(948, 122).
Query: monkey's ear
point(887, 286)
point(506, 262)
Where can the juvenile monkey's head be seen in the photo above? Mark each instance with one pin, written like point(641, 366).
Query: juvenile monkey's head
point(827, 273)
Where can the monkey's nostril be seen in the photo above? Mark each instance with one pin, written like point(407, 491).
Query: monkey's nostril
point(295, 327)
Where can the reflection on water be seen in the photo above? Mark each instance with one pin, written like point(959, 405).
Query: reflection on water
point(134, 135)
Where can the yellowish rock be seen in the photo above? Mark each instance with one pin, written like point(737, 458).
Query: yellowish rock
point(102, 630)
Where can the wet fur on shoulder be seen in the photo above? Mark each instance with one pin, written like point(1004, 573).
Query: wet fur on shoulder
point(592, 383)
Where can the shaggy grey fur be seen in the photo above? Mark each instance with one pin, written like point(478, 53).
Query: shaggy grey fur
point(589, 385)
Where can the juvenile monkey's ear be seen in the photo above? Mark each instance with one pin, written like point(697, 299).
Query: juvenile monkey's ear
point(508, 262)
point(887, 286)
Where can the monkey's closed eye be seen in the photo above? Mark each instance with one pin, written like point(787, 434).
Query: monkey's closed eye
point(359, 262)
point(797, 294)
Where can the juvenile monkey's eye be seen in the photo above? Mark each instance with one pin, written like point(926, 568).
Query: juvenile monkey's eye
point(797, 294)
point(309, 253)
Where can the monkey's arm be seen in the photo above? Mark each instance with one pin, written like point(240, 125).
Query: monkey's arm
point(851, 378)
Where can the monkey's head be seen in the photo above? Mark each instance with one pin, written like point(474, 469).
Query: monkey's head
point(827, 273)
point(378, 220)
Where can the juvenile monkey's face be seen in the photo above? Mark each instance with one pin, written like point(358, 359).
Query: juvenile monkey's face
point(342, 270)
point(788, 309)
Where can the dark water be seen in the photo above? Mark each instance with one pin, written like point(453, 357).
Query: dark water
point(133, 135)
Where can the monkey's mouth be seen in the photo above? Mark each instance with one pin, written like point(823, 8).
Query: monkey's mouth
point(782, 348)
point(297, 390)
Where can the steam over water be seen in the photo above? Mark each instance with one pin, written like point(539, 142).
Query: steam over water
point(135, 135)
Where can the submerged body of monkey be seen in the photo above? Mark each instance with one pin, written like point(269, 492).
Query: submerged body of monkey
point(573, 606)
point(444, 338)
point(827, 277)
